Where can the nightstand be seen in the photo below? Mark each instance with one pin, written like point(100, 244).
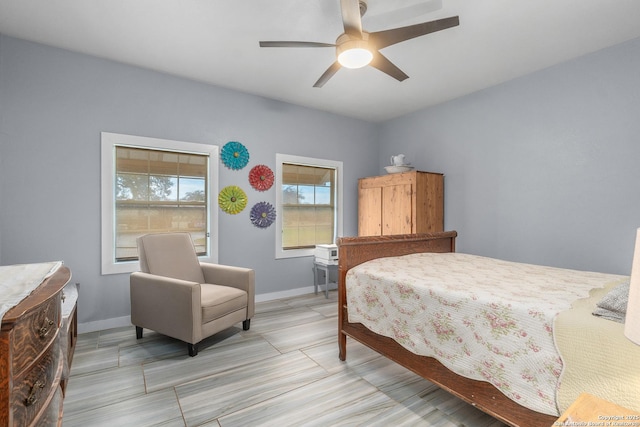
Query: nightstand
point(327, 269)
point(594, 411)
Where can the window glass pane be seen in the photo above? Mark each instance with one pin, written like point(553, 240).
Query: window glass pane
point(307, 236)
point(323, 195)
point(193, 166)
point(306, 194)
point(163, 188)
point(324, 234)
point(131, 217)
point(324, 216)
point(131, 222)
point(289, 174)
point(161, 219)
point(199, 241)
point(290, 226)
point(290, 216)
point(290, 194)
point(131, 186)
point(290, 237)
point(163, 163)
point(306, 217)
point(192, 189)
point(133, 160)
point(324, 176)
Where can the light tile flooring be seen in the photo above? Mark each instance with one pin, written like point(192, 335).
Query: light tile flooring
point(284, 371)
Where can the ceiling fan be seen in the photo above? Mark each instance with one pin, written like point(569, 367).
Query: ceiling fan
point(356, 48)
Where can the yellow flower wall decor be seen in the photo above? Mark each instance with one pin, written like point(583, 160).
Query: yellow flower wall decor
point(232, 199)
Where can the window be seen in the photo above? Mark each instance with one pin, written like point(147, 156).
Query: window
point(151, 185)
point(309, 204)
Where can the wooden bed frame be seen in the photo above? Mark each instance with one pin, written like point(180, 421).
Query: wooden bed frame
point(356, 250)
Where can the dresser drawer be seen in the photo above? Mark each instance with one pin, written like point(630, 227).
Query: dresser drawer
point(50, 417)
point(34, 332)
point(37, 386)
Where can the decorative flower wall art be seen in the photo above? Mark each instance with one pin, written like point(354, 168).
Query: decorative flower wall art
point(234, 155)
point(232, 199)
point(261, 177)
point(263, 214)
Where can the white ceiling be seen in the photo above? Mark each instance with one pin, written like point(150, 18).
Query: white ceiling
point(216, 41)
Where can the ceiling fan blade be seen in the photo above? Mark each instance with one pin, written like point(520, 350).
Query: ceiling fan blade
point(328, 74)
point(351, 17)
point(294, 44)
point(381, 13)
point(381, 63)
point(386, 38)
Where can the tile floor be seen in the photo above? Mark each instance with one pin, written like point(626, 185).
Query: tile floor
point(284, 371)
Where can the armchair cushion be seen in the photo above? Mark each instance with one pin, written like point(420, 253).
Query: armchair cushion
point(218, 301)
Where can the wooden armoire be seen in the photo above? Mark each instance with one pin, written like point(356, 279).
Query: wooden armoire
point(401, 203)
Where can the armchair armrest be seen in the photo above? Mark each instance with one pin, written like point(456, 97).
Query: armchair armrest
point(227, 275)
point(170, 306)
point(236, 277)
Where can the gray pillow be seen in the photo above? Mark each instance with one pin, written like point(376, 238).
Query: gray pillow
point(608, 314)
point(613, 305)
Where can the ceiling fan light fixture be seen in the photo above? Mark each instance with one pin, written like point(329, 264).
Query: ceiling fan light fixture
point(356, 48)
point(354, 54)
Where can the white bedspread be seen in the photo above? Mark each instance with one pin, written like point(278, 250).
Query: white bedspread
point(483, 318)
point(18, 281)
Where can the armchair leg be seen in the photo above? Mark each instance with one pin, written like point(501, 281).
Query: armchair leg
point(138, 332)
point(246, 324)
point(193, 349)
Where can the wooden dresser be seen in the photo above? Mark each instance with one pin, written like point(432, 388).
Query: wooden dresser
point(401, 203)
point(31, 358)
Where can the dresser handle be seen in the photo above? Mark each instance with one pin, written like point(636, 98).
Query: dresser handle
point(44, 331)
point(33, 398)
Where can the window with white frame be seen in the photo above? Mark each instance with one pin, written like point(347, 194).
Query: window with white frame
point(152, 185)
point(309, 204)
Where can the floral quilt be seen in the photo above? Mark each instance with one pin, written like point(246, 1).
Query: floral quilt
point(483, 318)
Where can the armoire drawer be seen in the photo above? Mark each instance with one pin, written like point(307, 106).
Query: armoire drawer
point(34, 332)
point(35, 388)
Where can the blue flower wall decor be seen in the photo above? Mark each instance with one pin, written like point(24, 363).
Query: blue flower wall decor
point(263, 214)
point(234, 155)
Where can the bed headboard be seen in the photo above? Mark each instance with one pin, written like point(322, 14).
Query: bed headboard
point(356, 250)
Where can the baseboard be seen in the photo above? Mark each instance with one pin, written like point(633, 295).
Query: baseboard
point(101, 325)
point(285, 294)
point(120, 322)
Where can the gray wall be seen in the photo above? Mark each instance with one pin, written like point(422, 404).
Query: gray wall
point(55, 103)
point(542, 169)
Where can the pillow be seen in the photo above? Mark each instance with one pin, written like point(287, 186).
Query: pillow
point(610, 315)
point(616, 299)
point(613, 305)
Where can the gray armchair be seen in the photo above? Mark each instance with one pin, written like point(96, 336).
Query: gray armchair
point(178, 296)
